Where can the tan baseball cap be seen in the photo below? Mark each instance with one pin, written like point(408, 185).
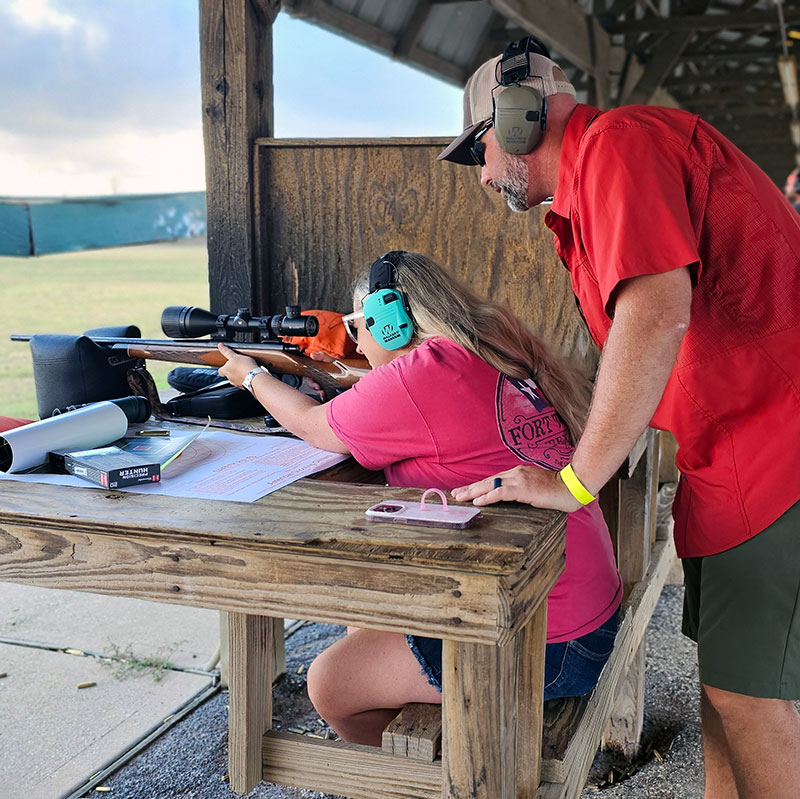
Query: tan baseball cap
point(546, 76)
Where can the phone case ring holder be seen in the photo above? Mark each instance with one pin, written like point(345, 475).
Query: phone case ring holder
point(435, 491)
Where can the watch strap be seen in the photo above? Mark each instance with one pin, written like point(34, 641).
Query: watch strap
point(250, 376)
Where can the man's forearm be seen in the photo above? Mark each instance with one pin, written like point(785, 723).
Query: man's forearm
point(651, 318)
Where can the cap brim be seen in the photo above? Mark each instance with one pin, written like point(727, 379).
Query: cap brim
point(458, 151)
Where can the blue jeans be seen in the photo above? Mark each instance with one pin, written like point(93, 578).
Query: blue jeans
point(571, 668)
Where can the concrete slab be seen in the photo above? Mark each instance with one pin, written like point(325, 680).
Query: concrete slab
point(108, 625)
point(54, 735)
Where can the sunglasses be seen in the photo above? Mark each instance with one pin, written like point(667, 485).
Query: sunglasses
point(349, 326)
point(478, 149)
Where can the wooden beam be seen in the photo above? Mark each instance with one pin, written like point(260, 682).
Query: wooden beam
point(747, 54)
point(236, 84)
point(602, 65)
point(347, 24)
point(490, 46)
point(565, 26)
point(663, 58)
point(725, 79)
point(658, 68)
point(714, 99)
point(334, 18)
point(267, 9)
point(360, 772)
point(767, 113)
point(412, 28)
point(692, 23)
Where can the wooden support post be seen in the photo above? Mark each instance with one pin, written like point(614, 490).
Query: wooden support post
point(667, 470)
point(636, 534)
point(637, 515)
point(236, 74)
point(250, 715)
point(492, 750)
point(278, 649)
point(224, 654)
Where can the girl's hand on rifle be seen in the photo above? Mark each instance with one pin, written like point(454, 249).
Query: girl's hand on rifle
point(237, 365)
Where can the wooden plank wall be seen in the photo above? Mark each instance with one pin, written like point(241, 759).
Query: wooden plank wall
point(324, 208)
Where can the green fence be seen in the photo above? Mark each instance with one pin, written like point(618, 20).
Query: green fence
point(40, 226)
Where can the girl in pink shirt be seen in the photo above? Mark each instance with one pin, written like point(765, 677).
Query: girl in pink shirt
point(459, 389)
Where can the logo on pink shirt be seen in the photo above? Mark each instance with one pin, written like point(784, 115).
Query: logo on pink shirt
point(529, 425)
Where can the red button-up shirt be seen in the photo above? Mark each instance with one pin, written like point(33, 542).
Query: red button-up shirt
point(644, 190)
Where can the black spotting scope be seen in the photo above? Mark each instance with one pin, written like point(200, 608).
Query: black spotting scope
point(186, 321)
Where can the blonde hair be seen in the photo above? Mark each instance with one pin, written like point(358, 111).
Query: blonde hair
point(441, 306)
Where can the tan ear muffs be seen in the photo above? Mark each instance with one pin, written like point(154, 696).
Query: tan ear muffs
point(519, 119)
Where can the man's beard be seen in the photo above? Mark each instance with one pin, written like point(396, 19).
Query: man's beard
point(515, 183)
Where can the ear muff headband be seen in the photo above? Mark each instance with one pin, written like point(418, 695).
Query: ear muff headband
point(386, 312)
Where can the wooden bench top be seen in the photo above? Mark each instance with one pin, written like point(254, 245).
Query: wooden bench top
point(291, 553)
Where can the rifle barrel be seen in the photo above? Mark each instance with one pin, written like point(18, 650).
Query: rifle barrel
point(276, 356)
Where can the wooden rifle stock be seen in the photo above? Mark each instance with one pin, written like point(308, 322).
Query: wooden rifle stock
point(278, 358)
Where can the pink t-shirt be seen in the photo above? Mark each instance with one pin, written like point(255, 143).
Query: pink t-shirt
point(440, 416)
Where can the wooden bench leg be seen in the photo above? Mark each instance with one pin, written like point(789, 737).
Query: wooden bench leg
point(250, 701)
point(278, 649)
point(492, 710)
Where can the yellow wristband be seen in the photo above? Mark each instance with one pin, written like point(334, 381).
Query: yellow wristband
point(575, 486)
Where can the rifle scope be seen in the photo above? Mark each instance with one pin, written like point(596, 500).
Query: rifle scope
point(186, 321)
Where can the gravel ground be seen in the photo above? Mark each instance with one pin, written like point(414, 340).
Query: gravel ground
point(190, 760)
point(671, 763)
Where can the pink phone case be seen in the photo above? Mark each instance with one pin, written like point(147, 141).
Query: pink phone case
point(401, 512)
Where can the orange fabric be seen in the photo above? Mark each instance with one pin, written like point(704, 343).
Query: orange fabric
point(332, 338)
point(10, 422)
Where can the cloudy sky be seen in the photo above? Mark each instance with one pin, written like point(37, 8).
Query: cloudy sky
point(103, 96)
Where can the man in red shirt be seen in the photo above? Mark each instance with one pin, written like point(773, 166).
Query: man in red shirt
point(685, 260)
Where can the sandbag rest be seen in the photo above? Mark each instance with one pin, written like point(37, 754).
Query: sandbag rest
point(74, 370)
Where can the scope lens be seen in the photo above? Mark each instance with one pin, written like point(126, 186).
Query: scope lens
point(187, 321)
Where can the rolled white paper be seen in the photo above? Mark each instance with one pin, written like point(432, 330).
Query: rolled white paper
point(85, 428)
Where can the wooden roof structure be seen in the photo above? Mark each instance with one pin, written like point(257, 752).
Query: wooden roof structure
point(714, 57)
point(717, 58)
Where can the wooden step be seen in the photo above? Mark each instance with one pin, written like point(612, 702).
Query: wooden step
point(416, 732)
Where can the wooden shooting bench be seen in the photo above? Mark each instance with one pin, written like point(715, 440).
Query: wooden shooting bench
point(306, 551)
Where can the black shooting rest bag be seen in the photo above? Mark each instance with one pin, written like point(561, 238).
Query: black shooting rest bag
point(74, 370)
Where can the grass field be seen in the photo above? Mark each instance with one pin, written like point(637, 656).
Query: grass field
point(72, 292)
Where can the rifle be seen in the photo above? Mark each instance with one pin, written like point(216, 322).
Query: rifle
point(276, 356)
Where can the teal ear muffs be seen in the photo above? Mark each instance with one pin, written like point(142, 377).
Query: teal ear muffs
point(386, 312)
point(519, 113)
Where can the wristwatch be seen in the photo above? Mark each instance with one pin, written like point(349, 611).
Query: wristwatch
point(248, 378)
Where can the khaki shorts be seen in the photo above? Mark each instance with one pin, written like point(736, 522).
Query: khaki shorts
point(742, 607)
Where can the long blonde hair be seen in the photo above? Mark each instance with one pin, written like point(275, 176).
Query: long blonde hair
point(443, 307)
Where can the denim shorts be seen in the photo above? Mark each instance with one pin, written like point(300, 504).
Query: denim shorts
point(571, 668)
